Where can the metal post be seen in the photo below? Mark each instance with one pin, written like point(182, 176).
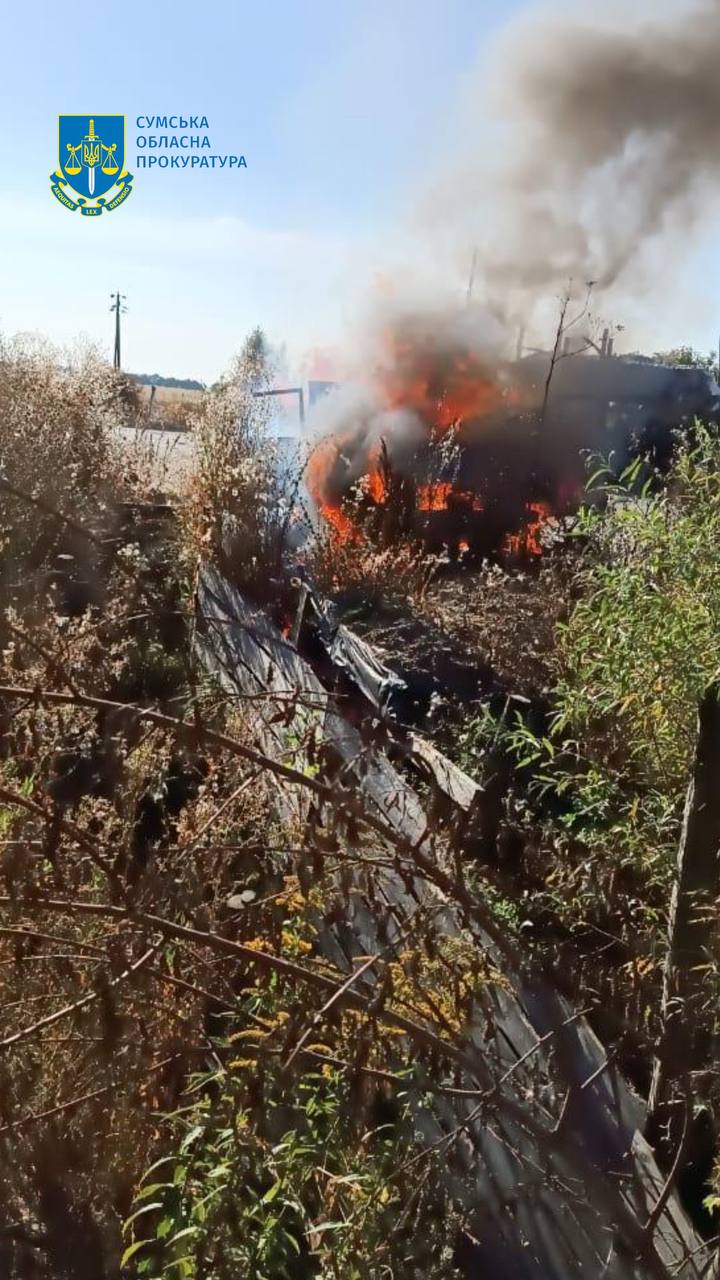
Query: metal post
point(118, 306)
point(287, 391)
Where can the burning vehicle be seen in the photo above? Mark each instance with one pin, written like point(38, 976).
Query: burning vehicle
point(458, 449)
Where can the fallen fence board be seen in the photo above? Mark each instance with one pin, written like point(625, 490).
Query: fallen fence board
point(462, 790)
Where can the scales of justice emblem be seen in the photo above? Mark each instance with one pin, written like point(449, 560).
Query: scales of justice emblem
point(91, 174)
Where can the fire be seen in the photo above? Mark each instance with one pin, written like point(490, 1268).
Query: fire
point(443, 385)
point(442, 495)
point(374, 461)
point(528, 539)
point(341, 523)
point(471, 500)
point(374, 480)
point(433, 497)
point(444, 389)
point(323, 460)
point(376, 487)
point(320, 463)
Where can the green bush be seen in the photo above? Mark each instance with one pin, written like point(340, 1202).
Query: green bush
point(640, 646)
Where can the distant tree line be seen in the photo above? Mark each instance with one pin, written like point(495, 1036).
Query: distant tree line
point(689, 357)
point(156, 380)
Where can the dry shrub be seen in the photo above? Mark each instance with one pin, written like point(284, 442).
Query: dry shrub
point(99, 807)
point(58, 411)
point(57, 414)
point(357, 569)
point(157, 463)
point(173, 409)
point(235, 510)
point(230, 476)
point(157, 828)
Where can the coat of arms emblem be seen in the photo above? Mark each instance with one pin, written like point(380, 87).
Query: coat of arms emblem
point(91, 174)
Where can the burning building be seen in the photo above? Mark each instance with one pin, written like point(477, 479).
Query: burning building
point(461, 449)
point(601, 135)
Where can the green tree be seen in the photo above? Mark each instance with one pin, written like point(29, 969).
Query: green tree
point(689, 358)
point(253, 367)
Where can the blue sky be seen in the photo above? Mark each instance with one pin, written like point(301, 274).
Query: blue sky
point(346, 112)
point(339, 108)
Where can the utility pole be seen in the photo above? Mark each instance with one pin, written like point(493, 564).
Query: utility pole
point(118, 306)
point(471, 281)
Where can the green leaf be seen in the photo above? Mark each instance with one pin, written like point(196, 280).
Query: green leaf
point(186, 1265)
point(132, 1249)
point(151, 1188)
point(191, 1137)
point(146, 1208)
point(157, 1164)
point(272, 1193)
point(181, 1235)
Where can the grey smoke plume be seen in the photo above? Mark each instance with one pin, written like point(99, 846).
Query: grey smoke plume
point(609, 139)
point(605, 163)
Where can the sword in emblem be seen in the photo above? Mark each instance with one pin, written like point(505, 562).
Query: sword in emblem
point(91, 155)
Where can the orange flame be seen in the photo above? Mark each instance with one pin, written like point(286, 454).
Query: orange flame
point(409, 380)
point(320, 463)
point(374, 480)
point(528, 539)
point(372, 485)
point(446, 390)
point(433, 497)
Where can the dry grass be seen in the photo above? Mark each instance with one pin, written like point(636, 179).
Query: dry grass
point(61, 465)
point(374, 577)
point(506, 620)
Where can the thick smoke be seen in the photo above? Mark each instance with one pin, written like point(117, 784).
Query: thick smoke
point(588, 149)
point(605, 162)
point(429, 367)
point(608, 139)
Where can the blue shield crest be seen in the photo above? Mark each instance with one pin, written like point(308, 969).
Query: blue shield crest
point(91, 153)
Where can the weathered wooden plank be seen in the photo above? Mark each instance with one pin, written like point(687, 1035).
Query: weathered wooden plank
point(460, 789)
point(258, 668)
